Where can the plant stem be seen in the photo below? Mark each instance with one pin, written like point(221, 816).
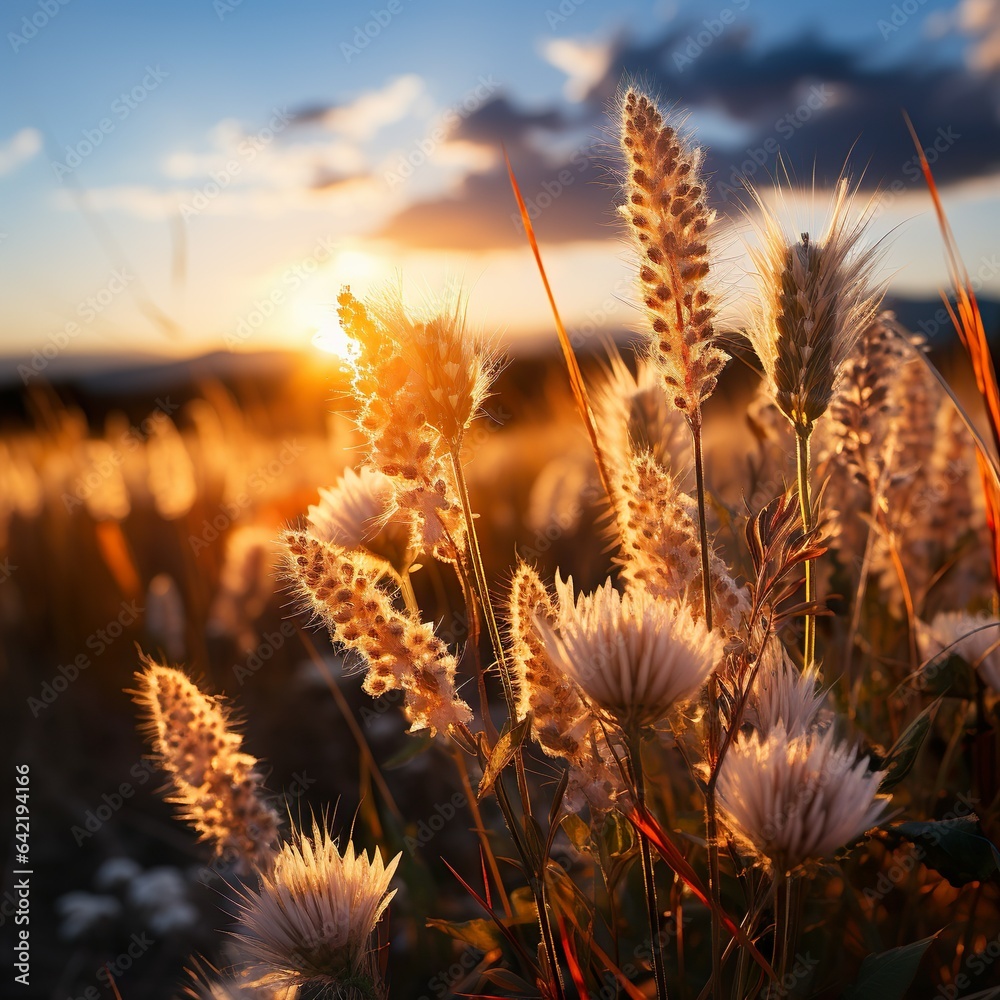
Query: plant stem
point(711, 819)
point(652, 910)
point(803, 436)
point(784, 920)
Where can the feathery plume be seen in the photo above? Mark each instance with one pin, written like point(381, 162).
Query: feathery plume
point(796, 799)
point(634, 657)
point(311, 921)
point(669, 222)
point(341, 587)
point(782, 695)
point(216, 784)
point(817, 298)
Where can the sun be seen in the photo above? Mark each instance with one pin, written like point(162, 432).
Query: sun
point(330, 337)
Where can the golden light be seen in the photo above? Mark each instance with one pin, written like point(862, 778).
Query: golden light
point(330, 337)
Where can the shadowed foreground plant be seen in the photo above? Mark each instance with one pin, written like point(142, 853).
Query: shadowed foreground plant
point(310, 922)
point(215, 784)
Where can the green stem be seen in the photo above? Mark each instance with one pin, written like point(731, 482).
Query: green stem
point(803, 463)
point(649, 884)
point(711, 817)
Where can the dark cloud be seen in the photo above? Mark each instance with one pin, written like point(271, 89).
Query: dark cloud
point(807, 106)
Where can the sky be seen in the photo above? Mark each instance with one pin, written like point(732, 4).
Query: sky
point(207, 174)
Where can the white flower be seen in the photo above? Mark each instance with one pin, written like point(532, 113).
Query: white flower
point(634, 657)
point(795, 799)
point(361, 512)
point(782, 694)
point(313, 917)
point(975, 638)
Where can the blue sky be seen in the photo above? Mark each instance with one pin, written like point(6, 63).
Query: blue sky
point(320, 199)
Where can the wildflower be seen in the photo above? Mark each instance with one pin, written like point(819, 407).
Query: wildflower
point(341, 587)
point(798, 798)
point(782, 695)
point(633, 657)
point(669, 223)
point(975, 638)
point(361, 512)
point(310, 923)
point(215, 782)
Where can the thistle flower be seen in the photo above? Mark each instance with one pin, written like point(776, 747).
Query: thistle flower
point(310, 923)
point(669, 223)
point(796, 799)
point(341, 587)
point(782, 695)
point(817, 298)
point(216, 784)
point(975, 638)
point(361, 512)
point(633, 657)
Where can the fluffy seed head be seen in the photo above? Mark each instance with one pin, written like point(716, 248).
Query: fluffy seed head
point(975, 638)
point(668, 220)
point(311, 921)
point(216, 784)
point(634, 657)
point(817, 297)
point(798, 798)
point(782, 695)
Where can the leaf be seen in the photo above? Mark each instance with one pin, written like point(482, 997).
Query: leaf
point(480, 933)
point(577, 831)
point(900, 759)
point(887, 976)
point(412, 749)
point(616, 836)
point(503, 753)
point(948, 675)
point(956, 848)
point(507, 980)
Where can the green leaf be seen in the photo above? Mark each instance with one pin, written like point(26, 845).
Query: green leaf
point(503, 753)
point(617, 836)
point(900, 759)
point(482, 934)
point(577, 830)
point(414, 747)
point(954, 847)
point(887, 976)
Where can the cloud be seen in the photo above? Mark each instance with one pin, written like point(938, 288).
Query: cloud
point(361, 118)
point(807, 104)
point(18, 149)
point(981, 19)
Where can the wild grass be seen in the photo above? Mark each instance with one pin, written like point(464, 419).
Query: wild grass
point(735, 759)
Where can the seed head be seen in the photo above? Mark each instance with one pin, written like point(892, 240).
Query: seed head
point(669, 222)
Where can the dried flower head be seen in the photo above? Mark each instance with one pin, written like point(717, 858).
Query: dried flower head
point(669, 221)
point(634, 657)
point(215, 782)
point(796, 799)
point(341, 587)
point(311, 921)
point(975, 638)
point(782, 695)
point(361, 512)
point(817, 298)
